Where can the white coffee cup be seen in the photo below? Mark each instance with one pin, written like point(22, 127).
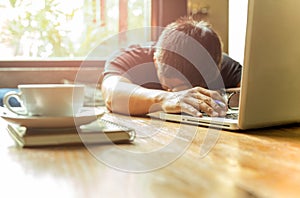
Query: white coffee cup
point(47, 99)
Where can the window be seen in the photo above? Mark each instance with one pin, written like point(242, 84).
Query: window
point(68, 29)
point(237, 28)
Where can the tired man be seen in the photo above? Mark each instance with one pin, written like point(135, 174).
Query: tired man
point(181, 72)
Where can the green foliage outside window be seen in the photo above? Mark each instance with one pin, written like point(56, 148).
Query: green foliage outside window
point(48, 31)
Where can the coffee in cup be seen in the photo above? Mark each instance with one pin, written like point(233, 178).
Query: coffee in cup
point(47, 99)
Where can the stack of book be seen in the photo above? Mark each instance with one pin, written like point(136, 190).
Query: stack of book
point(99, 131)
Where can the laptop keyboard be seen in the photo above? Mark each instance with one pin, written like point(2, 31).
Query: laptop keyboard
point(229, 115)
point(233, 116)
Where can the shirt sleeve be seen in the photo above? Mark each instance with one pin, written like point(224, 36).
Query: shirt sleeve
point(125, 59)
point(136, 64)
point(231, 71)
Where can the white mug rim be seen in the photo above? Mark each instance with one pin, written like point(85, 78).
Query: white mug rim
point(49, 86)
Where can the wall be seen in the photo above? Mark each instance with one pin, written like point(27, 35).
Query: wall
point(217, 15)
point(166, 11)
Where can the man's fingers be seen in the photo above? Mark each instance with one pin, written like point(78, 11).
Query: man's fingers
point(195, 101)
point(207, 106)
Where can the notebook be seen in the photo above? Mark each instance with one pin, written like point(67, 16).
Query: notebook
point(270, 86)
point(100, 131)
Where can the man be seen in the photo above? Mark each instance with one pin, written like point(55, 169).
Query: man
point(180, 73)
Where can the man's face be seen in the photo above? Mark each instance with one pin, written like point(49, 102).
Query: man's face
point(173, 80)
point(173, 84)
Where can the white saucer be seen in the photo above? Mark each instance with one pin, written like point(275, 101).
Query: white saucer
point(85, 116)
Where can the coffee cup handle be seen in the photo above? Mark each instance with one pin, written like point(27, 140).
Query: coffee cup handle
point(16, 95)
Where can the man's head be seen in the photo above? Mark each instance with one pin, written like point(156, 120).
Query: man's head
point(187, 49)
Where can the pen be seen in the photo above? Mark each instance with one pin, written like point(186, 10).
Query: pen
point(220, 103)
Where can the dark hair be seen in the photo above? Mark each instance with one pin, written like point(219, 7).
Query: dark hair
point(183, 37)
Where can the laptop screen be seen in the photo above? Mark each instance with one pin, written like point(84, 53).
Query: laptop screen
point(270, 92)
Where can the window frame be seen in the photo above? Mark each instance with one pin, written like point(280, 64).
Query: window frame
point(13, 73)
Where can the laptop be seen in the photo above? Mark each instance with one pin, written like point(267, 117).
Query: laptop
point(270, 85)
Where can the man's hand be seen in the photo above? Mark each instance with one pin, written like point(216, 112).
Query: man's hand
point(195, 101)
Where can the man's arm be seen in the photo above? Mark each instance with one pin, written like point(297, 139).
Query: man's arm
point(122, 96)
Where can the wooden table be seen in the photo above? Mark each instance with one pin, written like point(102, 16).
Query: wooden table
point(166, 160)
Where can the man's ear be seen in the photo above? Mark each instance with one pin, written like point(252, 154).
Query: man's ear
point(155, 63)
